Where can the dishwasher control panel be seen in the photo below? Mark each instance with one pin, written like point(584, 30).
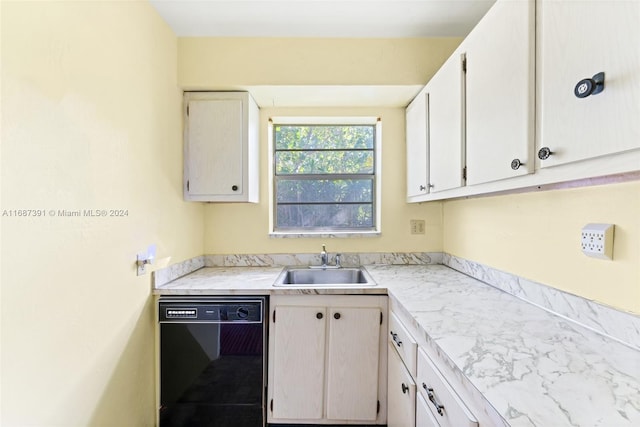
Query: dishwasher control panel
point(214, 311)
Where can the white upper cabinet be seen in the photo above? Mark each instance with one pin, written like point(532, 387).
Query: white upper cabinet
point(576, 41)
point(499, 93)
point(221, 147)
point(417, 115)
point(550, 94)
point(445, 130)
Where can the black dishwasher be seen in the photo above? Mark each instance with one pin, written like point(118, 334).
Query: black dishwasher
point(212, 361)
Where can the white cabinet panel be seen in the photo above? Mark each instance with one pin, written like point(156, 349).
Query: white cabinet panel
point(499, 93)
point(401, 393)
point(446, 103)
point(403, 342)
point(221, 147)
point(352, 363)
point(298, 362)
point(442, 401)
point(576, 40)
point(417, 114)
point(424, 418)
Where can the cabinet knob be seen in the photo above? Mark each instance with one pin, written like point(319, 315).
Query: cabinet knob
point(422, 188)
point(592, 86)
point(405, 388)
point(516, 163)
point(336, 316)
point(319, 316)
point(234, 187)
point(544, 153)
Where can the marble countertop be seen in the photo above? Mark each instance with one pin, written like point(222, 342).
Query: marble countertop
point(524, 365)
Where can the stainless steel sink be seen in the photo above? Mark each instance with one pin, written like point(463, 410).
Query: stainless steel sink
point(338, 277)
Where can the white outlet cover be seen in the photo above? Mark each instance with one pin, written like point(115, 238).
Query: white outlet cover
point(597, 240)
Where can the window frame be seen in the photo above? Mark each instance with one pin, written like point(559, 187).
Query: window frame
point(376, 176)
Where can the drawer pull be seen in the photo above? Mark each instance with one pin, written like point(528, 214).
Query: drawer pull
point(432, 399)
point(405, 388)
point(395, 339)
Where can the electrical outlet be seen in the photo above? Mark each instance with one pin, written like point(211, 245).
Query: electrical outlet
point(417, 226)
point(597, 240)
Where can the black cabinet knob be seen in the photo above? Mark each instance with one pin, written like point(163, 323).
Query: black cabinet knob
point(319, 316)
point(544, 153)
point(592, 86)
point(336, 316)
point(405, 388)
point(515, 164)
point(234, 187)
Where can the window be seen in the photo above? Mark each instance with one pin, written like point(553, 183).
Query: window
point(325, 175)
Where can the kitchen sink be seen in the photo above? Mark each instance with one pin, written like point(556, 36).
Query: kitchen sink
point(337, 277)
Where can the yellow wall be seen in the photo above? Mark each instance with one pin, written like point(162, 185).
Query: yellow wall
point(210, 63)
point(90, 120)
point(537, 236)
point(243, 228)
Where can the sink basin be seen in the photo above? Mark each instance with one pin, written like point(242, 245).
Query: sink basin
point(338, 277)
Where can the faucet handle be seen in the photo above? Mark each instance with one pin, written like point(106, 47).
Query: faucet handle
point(338, 256)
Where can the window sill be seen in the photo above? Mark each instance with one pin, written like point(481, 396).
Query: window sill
point(323, 234)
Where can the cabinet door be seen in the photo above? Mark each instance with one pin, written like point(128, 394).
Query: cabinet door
point(576, 40)
point(352, 363)
point(446, 126)
point(417, 151)
point(214, 151)
point(499, 93)
point(298, 362)
point(401, 395)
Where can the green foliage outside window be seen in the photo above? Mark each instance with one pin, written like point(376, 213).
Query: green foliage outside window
point(324, 177)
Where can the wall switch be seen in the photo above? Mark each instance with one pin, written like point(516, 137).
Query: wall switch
point(417, 226)
point(597, 240)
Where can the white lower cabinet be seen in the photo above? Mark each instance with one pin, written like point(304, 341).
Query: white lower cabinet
point(401, 393)
point(424, 418)
point(418, 393)
point(327, 359)
point(442, 401)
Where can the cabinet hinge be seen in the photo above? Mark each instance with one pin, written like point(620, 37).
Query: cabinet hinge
point(378, 408)
point(464, 64)
point(381, 316)
point(464, 173)
point(274, 318)
point(187, 185)
point(271, 405)
point(187, 110)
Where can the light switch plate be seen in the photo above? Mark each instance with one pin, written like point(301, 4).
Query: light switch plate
point(417, 226)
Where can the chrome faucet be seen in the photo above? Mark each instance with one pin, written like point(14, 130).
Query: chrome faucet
point(324, 258)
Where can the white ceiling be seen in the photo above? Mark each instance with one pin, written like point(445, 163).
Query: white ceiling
point(322, 18)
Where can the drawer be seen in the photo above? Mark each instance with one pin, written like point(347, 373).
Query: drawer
point(437, 391)
point(404, 343)
point(424, 417)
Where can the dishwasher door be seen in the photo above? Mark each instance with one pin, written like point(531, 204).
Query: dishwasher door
point(212, 362)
